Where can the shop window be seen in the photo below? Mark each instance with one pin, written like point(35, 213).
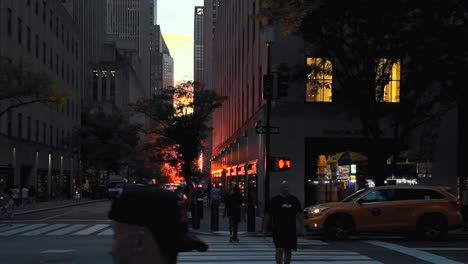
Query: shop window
point(388, 81)
point(319, 80)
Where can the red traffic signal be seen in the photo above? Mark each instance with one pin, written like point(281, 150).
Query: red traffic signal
point(280, 164)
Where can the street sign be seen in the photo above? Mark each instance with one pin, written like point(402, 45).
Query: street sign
point(265, 130)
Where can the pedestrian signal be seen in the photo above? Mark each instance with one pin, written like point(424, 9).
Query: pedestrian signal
point(280, 164)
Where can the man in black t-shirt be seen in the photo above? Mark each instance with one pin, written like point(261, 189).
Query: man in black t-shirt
point(284, 209)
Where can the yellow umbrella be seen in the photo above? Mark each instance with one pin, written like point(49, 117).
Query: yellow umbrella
point(346, 158)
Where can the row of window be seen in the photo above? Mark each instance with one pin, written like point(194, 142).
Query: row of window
point(67, 72)
point(49, 133)
point(320, 80)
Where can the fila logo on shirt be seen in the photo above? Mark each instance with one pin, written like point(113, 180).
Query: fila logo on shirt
point(286, 205)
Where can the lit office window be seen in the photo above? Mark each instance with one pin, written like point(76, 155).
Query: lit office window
point(388, 81)
point(319, 80)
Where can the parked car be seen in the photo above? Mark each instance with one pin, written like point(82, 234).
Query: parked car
point(430, 211)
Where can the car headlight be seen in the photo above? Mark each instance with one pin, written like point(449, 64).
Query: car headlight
point(318, 210)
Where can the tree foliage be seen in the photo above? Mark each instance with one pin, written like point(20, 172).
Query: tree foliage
point(179, 123)
point(364, 38)
point(20, 86)
point(107, 142)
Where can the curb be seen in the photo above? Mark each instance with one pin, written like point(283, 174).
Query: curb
point(58, 207)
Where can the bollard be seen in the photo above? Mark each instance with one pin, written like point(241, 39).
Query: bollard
point(200, 207)
point(251, 218)
point(214, 216)
point(195, 217)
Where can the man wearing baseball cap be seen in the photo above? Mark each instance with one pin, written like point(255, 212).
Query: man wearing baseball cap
point(148, 227)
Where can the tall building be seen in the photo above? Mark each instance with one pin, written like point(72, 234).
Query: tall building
point(198, 48)
point(129, 23)
point(44, 36)
point(307, 126)
point(167, 66)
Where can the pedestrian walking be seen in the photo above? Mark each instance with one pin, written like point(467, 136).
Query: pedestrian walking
point(285, 212)
point(148, 228)
point(233, 209)
point(16, 195)
point(24, 196)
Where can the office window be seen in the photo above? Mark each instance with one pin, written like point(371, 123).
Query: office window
point(72, 46)
point(20, 125)
point(9, 123)
point(63, 34)
point(28, 38)
point(29, 2)
point(44, 12)
point(51, 135)
point(63, 69)
point(57, 63)
point(68, 73)
point(44, 133)
point(9, 21)
point(76, 50)
point(44, 52)
point(20, 31)
point(36, 39)
point(319, 80)
point(37, 130)
point(51, 17)
point(51, 59)
point(36, 7)
point(56, 27)
point(28, 128)
point(72, 111)
point(68, 40)
point(388, 81)
point(57, 137)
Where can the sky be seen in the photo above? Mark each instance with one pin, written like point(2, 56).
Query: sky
point(176, 20)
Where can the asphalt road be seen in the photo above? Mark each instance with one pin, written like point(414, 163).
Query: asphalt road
point(82, 234)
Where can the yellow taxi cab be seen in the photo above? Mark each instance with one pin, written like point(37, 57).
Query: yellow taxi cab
point(429, 210)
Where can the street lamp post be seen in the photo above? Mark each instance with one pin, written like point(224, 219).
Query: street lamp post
point(268, 92)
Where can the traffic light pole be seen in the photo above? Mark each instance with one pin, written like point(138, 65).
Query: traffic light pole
point(267, 135)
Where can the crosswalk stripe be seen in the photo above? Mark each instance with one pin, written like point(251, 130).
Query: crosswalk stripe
point(44, 230)
point(21, 229)
point(8, 227)
point(107, 232)
point(66, 230)
point(261, 250)
point(91, 229)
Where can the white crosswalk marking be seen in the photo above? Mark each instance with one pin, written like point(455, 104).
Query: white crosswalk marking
point(42, 230)
point(259, 250)
point(66, 230)
point(91, 229)
point(8, 227)
point(21, 229)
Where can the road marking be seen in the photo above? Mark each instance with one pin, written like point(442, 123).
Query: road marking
point(107, 232)
point(57, 251)
point(66, 230)
point(44, 230)
point(8, 227)
point(426, 256)
point(48, 218)
point(91, 229)
point(21, 230)
point(441, 248)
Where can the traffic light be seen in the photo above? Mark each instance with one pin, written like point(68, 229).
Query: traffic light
point(280, 164)
point(282, 84)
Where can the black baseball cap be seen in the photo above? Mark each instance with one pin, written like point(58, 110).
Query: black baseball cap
point(158, 210)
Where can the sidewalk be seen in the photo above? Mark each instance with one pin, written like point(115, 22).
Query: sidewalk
point(52, 204)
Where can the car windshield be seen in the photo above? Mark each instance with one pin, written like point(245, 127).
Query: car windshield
point(354, 195)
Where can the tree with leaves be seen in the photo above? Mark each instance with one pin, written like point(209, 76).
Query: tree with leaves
point(20, 86)
point(179, 120)
point(107, 142)
point(364, 40)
